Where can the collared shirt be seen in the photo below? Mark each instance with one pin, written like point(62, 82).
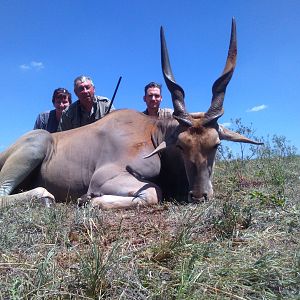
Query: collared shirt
point(162, 113)
point(47, 120)
point(74, 116)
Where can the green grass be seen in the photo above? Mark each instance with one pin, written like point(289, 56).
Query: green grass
point(243, 244)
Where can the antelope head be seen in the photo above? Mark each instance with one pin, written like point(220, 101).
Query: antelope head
point(199, 134)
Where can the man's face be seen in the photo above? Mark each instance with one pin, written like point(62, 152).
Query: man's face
point(85, 91)
point(153, 98)
point(61, 102)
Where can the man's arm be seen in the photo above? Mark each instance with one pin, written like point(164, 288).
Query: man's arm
point(41, 121)
point(107, 107)
point(37, 124)
point(103, 105)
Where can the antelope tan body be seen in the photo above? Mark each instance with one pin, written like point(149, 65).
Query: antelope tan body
point(126, 158)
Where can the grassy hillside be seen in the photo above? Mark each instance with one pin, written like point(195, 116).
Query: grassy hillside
point(243, 244)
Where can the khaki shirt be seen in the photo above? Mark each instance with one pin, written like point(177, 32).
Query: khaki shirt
point(162, 113)
point(74, 116)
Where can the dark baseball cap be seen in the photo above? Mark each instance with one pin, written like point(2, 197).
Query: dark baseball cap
point(63, 91)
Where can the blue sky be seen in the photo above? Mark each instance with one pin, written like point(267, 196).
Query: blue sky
point(46, 44)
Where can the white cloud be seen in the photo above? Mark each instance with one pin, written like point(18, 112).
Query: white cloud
point(24, 67)
point(37, 65)
point(257, 108)
point(33, 65)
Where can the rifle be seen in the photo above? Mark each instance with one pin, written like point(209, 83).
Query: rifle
point(114, 95)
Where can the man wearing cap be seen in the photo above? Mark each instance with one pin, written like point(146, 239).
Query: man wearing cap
point(49, 120)
point(87, 109)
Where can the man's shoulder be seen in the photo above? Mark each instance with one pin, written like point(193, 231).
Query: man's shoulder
point(71, 108)
point(43, 116)
point(170, 110)
point(102, 99)
point(44, 113)
point(42, 120)
point(73, 105)
point(165, 112)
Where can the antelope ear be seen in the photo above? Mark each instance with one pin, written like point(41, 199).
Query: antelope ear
point(160, 147)
point(228, 135)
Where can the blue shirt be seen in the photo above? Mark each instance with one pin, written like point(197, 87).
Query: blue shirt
point(47, 120)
